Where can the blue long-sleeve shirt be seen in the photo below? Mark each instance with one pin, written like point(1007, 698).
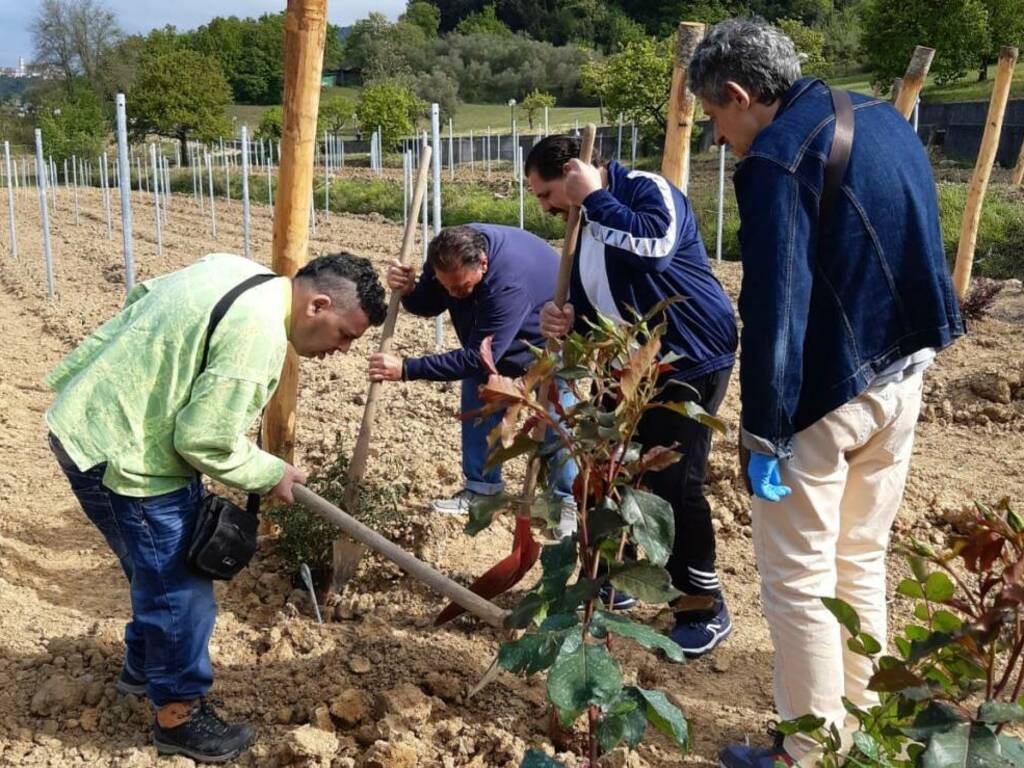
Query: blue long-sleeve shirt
point(506, 304)
point(639, 246)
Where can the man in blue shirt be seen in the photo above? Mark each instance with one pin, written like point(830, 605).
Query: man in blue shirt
point(639, 245)
point(837, 329)
point(492, 280)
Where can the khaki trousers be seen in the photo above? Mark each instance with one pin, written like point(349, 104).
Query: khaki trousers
point(829, 538)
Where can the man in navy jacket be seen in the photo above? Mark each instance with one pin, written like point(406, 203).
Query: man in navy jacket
point(492, 280)
point(836, 334)
point(638, 246)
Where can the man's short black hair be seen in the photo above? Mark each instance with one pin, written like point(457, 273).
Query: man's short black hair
point(455, 248)
point(337, 274)
point(549, 155)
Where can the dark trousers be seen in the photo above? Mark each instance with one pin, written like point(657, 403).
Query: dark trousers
point(692, 564)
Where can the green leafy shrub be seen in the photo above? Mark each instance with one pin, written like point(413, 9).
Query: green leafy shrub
point(955, 682)
point(621, 367)
point(307, 538)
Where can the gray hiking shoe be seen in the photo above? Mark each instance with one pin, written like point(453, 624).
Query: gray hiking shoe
point(456, 505)
point(566, 521)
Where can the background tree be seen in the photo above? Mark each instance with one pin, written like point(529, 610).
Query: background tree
point(74, 36)
point(810, 45)
point(958, 29)
point(535, 102)
point(440, 87)
point(424, 15)
point(73, 125)
point(634, 82)
point(390, 106)
point(484, 22)
point(336, 113)
point(181, 95)
point(271, 124)
point(1005, 27)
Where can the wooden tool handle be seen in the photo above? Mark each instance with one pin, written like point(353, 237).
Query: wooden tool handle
point(357, 467)
point(478, 606)
point(572, 228)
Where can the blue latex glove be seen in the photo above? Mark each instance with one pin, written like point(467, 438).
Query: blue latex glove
point(765, 480)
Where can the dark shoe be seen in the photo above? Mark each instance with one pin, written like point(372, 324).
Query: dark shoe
point(742, 756)
point(700, 632)
point(621, 601)
point(126, 683)
point(204, 736)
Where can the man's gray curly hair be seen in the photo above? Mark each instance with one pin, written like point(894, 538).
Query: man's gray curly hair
point(751, 53)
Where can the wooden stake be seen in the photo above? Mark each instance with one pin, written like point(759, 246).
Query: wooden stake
point(305, 27)
point(913, 80)
point(1018, 172)
point(983, 170)
point(680, 106)
point(478, 606)
point(346, 554)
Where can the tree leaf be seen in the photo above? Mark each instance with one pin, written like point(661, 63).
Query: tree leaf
point(998, 712)
point(652, 522)
point(656, 459)
point(520, 445)
point(694, 411)
point(934, 718)
point(626, 721)
point(938, 587)
point(523, 614)
point(1012, 748)
point(604, 520)
point(645, 581)
point(577, 594)
point(666, 717)
point(964, 746)
point(844, 613)
point(641, 633)
point(534, 758)
point(558, 561)
point(535, 652)
point(910, 588)
point(583, 674)
point(893, 680)
point(482, 510)
point(802, 724)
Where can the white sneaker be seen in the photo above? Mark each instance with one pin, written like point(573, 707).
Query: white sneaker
point(566, 522)
point(456, 505)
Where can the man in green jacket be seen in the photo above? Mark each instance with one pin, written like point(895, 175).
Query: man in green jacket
point(136, 421)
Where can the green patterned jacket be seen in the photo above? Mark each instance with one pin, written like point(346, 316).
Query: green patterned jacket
point(125, 395)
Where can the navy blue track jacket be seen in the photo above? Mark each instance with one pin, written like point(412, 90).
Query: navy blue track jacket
point(506, 304)
point(639, 246)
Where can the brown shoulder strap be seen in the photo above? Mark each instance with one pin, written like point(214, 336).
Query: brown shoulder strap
point(838, 159)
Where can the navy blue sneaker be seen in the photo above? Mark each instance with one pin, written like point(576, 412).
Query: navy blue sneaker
point(700, 632)
point(127, 683)
point(742, 756)
point(622, 601)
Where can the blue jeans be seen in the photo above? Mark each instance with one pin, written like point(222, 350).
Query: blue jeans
point(173, 609)
point(562, 469)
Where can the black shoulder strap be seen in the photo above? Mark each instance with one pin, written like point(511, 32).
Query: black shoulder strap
point(838, 159)
point(252, 504)
point(221, 308)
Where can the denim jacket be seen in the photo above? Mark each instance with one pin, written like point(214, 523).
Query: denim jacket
point(819, 323)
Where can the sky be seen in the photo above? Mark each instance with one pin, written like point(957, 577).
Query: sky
point(143, 15)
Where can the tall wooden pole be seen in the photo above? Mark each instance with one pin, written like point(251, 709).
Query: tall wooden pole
point(681, 105)
point(913, 80)
point(305, 27)
point(983, 170)
point(1018, 172)
point(346, 553)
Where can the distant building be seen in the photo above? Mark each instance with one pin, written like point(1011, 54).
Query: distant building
point(21, 67)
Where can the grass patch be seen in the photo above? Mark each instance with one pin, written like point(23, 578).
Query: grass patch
point(1000, 249)
point(968, 89)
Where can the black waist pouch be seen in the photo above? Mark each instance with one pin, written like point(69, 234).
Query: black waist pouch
point(224, 539)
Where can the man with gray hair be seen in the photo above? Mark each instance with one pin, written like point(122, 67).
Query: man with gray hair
point(846, 298)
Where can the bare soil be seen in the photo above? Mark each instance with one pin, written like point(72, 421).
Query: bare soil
point(377, 685)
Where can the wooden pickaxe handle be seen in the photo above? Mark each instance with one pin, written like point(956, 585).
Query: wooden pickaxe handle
point(357, 467)
point(478, 606)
